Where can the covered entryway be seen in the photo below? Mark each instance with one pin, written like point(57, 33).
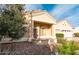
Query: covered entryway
point(42, 30)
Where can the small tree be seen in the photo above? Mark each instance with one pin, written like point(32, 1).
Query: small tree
point(12, 20)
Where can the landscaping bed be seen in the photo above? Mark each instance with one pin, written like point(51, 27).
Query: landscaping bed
point(23, 48)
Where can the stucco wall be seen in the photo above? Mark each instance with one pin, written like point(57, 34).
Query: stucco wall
point(65, 28)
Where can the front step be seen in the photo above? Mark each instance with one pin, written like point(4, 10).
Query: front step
point(44, 41)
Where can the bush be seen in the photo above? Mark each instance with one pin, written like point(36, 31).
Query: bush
point(68, 48)
point(0, 37)
point(76, 34)
point(60, 37)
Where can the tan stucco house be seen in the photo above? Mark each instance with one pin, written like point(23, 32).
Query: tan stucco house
point(42, 24)
point(64, 27)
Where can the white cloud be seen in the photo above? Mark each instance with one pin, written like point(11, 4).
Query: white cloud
point(74, 20)
point(61, 9)
point(33, 7)
point(75, 16)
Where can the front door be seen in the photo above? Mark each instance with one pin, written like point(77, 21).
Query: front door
point(35, 32)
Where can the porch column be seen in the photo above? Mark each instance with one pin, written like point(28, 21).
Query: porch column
point(32, 35)
point(38, 32)
point(54, 33)
point(31, 27)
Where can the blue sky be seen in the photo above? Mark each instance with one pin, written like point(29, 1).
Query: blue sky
point(69, 12)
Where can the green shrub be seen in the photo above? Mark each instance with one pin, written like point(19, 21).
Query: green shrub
point(0, 37)
point(64, 49)
point(76, 34)
point(60, 37)
point(68, 48)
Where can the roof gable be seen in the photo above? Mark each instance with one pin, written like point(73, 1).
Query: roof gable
point(64, 25)
point(43, 16)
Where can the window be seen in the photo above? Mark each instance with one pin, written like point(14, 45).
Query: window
point(44, 31)
point(63, 30)
point(66, 31)
point(57, 29)
point(64, 24)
